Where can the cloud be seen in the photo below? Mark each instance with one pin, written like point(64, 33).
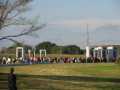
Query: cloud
point(92, 23)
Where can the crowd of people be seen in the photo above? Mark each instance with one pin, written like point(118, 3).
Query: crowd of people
point(43, 60)
point(38, 60)
point(8, 60)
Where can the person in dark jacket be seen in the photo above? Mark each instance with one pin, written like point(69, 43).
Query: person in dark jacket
point(12, 80)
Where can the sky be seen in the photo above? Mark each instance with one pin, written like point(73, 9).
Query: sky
point(66, 22)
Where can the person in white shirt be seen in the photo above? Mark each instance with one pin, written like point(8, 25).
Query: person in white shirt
point(8, 60)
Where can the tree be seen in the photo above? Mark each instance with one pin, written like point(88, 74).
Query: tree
point(71, 49)
point(55, 50)
point(10, 15)
point(45, 45)
point(12, 48)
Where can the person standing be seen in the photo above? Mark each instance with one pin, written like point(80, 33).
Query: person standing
point(12, 80)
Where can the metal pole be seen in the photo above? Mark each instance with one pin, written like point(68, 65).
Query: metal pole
point(87, 39)
point(29, 53)
point(34, 52)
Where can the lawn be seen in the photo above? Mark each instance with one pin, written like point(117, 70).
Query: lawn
point(48, 55)
point(65, 76)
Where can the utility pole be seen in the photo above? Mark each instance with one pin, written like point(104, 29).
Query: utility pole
point(87, 44)
point(87, 38)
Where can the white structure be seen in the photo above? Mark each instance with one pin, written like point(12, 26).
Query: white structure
point(42, 50)
point(87, 52)
point(34, 54)
point(110, 51)
point(20, 52)
point(98, 52)
point(29, 53)
point(107, 53)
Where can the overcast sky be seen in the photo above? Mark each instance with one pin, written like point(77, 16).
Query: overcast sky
point(67, 20)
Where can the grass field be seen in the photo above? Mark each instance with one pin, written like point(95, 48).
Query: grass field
point(48, 55)
point(65, 76)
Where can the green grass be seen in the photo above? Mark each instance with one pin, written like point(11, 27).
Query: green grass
point(66, 76)
point(105, 70)
point(48, 55)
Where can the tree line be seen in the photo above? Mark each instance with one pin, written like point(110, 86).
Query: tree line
point(50, 47)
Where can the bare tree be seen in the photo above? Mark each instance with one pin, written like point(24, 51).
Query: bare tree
point(10, 14)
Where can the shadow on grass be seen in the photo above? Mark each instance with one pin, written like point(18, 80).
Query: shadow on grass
point(54, 82)
point(66, 78)
point(3, 81)
point(74, 78)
